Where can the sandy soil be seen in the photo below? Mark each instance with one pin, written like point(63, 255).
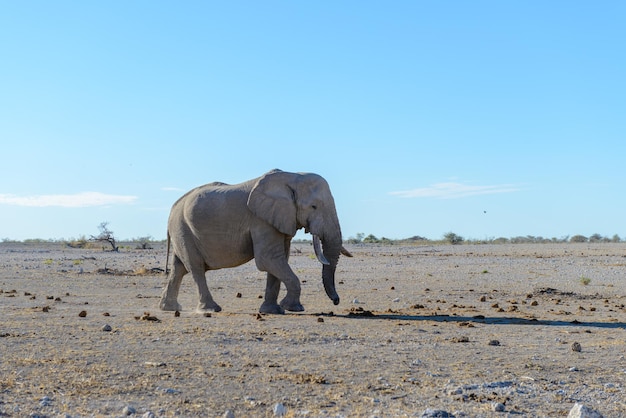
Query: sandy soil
point(473, 330)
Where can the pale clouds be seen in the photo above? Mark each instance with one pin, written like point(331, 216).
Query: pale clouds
point(78, 200)
point(453, 190)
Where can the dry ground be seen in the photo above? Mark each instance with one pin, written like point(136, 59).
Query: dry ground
point(455, 328)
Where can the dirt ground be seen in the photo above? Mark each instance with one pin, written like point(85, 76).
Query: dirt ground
point(472, 330)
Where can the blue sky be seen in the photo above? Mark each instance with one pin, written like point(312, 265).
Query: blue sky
point(484, 118)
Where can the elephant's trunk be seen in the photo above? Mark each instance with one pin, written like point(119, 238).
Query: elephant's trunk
point(332, 249)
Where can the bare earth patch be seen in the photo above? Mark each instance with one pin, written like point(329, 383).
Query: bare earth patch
point(474, 330)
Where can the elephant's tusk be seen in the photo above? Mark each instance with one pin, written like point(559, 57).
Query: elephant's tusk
point(346, 252)
point(318, 250)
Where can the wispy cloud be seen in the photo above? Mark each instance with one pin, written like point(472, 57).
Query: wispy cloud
point(455, 190)
point(78, 200)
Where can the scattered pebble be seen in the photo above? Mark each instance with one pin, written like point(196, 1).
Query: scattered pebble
point(396, 300)
point(107, 328)
point(177, 314)
point(495, 343)
point(582, 411)
point(45, 401)
point(129, 410)
point(576, 347)
point(238, 295)
point(279, 410)
point(320, 319)
point(228, 414)
point(436, 413)
point(82, 314)
point(497, 407)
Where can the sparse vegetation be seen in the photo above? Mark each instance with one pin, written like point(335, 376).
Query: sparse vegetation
point(106, 235)
point(585, 280)
point(453, 238)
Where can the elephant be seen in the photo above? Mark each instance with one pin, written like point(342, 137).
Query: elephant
point(219, 226)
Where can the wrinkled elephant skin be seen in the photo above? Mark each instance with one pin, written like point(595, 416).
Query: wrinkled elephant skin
point(219, 225)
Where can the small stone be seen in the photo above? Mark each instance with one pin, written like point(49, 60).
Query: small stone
point(497, 407)
point(576, 347)
point(207, 314)
point(148, 414)
point(320, 319)
point(355, 301)
point(494, 343)
point(82, 314)
point(396, 300)
point(177, 314)
point(238, 295)
point(279, 410)
point(436, 413)
point(582, 411)
point(228, 414)
point(107, 328)
point(45, 401)
point(129, 410)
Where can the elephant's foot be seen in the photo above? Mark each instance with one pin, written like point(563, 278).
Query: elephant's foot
point(208, 307)
point(293, 306)
point(169, 305)
point(271, 308)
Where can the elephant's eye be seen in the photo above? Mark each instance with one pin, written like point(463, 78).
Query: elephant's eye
point(314, 207)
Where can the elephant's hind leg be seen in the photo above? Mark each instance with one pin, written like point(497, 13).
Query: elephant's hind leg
point(169, 298)
point(206, 304)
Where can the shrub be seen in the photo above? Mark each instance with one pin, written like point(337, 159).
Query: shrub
point(453, 238)
point(578, 238)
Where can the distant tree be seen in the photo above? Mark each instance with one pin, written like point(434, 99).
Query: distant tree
point(453, 238)
point(371, 239)
point(357, 239)
point(616, 238)
point(596, 238)
point(106, 235)
point(143, 243)
point(578, 238)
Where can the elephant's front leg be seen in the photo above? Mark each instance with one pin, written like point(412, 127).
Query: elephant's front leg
point(270, 305)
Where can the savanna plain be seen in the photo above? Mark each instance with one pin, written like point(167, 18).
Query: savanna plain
point(469, 330)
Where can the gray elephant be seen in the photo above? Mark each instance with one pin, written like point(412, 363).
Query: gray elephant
point(218, 225)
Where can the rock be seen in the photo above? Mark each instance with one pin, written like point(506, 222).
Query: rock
point(129, 410)
point(576, 347)
point(436, 413)
point(82, 314)
point(582, 411)
point(497, 407)
point(228, 414)
point(279, 410)
point(494, 343)
point(45, 401)
point(148, 414)
point(107, 328)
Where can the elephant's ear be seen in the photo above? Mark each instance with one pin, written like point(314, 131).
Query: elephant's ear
point(272, 200)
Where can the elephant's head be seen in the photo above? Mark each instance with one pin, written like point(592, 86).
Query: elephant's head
point(291, 201)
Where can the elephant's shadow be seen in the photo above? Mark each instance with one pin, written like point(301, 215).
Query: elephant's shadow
point(478, 319)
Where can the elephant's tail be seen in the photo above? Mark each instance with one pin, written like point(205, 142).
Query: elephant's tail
point(167, 257)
